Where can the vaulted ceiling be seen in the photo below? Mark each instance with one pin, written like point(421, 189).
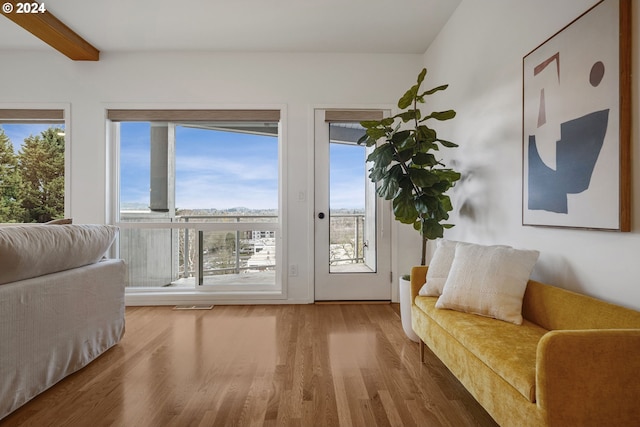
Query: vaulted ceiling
point(336, 26)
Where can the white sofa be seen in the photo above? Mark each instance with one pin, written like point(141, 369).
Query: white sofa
point(61, 305)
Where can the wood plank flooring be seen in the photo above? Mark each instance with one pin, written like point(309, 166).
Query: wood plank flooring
point(261, 365)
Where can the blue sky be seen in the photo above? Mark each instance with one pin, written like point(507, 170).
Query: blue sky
point(347, 176)
point(18, 132)
point(220, 170)
point(225, 170)
point(214, 169)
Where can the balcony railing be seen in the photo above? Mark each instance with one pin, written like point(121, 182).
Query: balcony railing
point(241, 240)
point(346, 239)
point(346, 246)
point(199, 246)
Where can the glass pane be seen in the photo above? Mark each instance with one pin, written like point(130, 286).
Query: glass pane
point(222, 174)
point(227, 257)
point(135, 166)
point(351, 213)
point(150, 255)
point(31, 172)
point(198, 173)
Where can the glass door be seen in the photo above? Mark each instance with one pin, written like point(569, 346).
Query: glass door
point(352, 241)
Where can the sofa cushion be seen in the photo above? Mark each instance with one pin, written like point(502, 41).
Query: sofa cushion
point(439, 268)
point(507, 349)
point(488, 280)
point(28, 251)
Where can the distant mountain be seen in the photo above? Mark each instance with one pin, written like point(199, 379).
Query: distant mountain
point(134, 206)
point(230, 212)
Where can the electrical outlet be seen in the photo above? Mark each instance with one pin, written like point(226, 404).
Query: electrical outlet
point(293, 270)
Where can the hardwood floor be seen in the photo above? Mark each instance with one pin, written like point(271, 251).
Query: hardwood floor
point(264, 365)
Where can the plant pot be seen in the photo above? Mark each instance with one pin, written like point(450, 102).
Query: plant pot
point(405, 309)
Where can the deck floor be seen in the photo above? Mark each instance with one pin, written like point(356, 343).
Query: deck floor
point(253, 278)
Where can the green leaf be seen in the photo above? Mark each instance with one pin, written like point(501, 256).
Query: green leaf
point(363, 139)
point(424, 159)
point(382, 155)
point(421, 76)
point(370, 123)
point(432, 230)
point(408, 97)
point(441, 115)
point(445, 201)
point(408, 143)
point(423, 177)
point(409, 115)
point(405, 182)
point(446, 143)
point(426, 203)
point(425, 134)
point(434, 90)
point(388, 189)
point(399, 137)
point(376, 174)
point(403, 207)
point(449, 175)
point(374, 135)
point(387, 121)
point(421, 207)
point(389, 180)
point(404, 155)
point(396, 172)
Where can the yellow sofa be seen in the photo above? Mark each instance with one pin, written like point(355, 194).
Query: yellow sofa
point(575, 360)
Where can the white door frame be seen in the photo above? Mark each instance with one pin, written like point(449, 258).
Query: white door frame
point(347, 286)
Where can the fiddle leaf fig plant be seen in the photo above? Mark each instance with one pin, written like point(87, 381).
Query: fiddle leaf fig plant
point(405, 167)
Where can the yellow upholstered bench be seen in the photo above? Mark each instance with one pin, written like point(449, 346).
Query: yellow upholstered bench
point(574, 361)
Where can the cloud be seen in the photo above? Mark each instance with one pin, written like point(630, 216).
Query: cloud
point(225, 170)
point(220, 192)
point(250, 169)
point(213, 169)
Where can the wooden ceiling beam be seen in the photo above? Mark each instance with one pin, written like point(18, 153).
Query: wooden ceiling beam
point(52, 31)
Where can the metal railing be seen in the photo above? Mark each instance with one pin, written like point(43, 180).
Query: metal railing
point(213, 245)
point(187, 269)
point(357, 243)
point(356, 230)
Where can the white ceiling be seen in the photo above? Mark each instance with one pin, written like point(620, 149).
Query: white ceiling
point(348, 26)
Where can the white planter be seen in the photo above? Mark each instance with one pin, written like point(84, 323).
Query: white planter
point(405, 309)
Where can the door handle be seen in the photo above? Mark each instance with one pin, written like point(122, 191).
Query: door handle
point(321, 215)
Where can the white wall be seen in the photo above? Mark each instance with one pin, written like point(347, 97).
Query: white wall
point(479, 53)
point(298, 81)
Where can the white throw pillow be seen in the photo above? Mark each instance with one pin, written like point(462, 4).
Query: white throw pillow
point(28, 251)
point(439, 268)
point(488, 280)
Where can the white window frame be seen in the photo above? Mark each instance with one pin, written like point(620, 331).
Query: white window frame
point(201, 294)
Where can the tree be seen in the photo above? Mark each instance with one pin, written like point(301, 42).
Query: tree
point(405, 168)
point(41, 169)
point(10, 203)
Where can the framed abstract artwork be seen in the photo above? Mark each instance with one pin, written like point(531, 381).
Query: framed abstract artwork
point(576, 123)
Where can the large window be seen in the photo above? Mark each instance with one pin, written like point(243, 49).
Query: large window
point(32, 165)
point(198, 199)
